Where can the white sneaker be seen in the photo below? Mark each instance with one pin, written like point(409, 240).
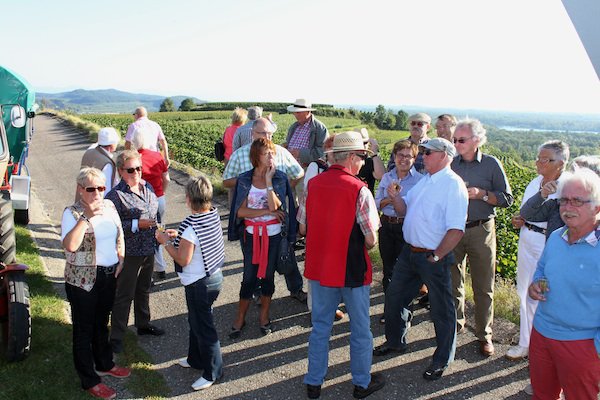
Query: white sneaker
point(517, 353)
point(183, 362)
point(528, 389)
point(202, 384)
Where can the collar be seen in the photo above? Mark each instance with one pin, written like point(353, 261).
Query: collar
point(592, 238)
point(478, 156)
point(438, 175)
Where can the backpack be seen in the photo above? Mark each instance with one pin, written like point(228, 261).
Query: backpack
point(219, 150)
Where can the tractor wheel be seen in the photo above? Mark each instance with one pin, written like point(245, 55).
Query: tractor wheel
point(16, 327)
point(8, 243)
point(22, 217)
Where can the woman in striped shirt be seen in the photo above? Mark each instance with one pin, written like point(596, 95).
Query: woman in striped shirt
point(198, 251)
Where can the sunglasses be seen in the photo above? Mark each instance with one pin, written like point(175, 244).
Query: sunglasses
point(362, 156)
point(461, 140)
point(428, 152)
point(544, 160)
point(132, 170)
point(92, 189)
point(418, 123)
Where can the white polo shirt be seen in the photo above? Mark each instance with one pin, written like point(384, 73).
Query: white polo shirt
point(436, 204)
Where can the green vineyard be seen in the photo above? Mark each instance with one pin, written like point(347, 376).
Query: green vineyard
point(191, 137)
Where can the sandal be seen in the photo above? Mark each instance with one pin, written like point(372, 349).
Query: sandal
point(267, 328)
point(235, 333)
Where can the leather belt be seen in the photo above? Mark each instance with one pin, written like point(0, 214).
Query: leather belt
point(419, 249)
point(535, 228)
point(108, 270)
point(392, 220)
point(473, 224)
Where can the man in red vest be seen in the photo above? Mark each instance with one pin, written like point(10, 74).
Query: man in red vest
point(337, 262)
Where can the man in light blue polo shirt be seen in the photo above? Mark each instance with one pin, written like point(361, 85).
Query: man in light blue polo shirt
point(436, 212)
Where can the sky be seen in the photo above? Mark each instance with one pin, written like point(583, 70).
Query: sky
point(517, 55)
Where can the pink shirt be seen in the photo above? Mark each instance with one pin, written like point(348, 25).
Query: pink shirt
point(153, 131)
point(228, 139)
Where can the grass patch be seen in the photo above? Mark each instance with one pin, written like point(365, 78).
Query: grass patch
point(48, 371)
point(506, 300)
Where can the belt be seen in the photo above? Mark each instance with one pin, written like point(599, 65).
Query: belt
point(108, 270)
point(419, 249)
point(473, 224)
point(392, 220)
point(535, 228)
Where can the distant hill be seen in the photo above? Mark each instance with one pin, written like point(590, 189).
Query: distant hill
point(104, 101)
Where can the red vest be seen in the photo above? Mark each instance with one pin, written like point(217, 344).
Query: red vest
point(336, 255)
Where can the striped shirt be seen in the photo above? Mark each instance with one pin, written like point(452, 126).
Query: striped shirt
point(207, 227)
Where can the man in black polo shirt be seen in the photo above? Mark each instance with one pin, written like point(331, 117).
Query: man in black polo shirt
point(488, 188)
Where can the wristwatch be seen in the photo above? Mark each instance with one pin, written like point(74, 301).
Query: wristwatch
point(269, 187)
point(435, 258)
point(485, 197)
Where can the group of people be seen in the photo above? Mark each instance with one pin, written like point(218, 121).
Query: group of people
point(432, 215)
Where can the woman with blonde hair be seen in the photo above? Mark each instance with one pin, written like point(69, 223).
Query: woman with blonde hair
point(92, 237)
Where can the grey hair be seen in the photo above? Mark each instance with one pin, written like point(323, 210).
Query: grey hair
point(199, 192)
point(587, 178)
point(89, 173)
point(476, 127)
point(127, 155)
point(138, 139)
point(341, 156)
point(254, 112)
point(141, 112)
point(590, 162)
point(560, 148)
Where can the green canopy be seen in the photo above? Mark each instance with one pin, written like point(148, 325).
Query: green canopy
point(15, 90)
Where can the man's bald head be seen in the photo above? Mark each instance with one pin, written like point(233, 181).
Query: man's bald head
point(262, 127)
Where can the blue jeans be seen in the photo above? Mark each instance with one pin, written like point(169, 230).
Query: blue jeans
point(249, 279)
point(412, 270)
point(325, 302)
point(204, 351)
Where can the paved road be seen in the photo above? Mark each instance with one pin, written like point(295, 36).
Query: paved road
point(259, 367)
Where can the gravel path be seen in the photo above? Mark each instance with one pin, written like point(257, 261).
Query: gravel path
point(257, 367)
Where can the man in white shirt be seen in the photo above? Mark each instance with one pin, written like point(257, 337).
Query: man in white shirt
point(436, 212)
point(152, 130)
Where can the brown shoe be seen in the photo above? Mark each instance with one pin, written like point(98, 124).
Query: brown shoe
point(486, 348)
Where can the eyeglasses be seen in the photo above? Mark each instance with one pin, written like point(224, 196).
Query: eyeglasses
point(362, 156)
point(418, 123)
point(92, 189)
point(428, 152)
point(133, 169)
point(575, 202)
point(404, 156)
point(544, 160)
point(461, 140)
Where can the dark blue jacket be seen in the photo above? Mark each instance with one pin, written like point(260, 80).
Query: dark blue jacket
point(283, 190)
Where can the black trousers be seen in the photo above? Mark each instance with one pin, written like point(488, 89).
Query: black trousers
point(90, 312)
point(391, 241)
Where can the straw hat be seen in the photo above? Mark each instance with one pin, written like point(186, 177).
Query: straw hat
point(348, 141)
point(300, 105)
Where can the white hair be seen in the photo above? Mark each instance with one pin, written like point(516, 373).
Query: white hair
point(138, 140)
point(476, 128)
point(586, 178)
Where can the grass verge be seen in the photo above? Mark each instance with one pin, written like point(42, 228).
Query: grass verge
point(48, 371)
point(506, 300)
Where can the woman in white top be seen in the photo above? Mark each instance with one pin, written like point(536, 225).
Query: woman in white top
point(199, 252)
point(92, 237)
point(550, 163)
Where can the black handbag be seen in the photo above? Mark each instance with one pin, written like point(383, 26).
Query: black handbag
point(286, 262)
point(219, 150)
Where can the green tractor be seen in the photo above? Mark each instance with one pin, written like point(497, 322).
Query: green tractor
point(17, 107)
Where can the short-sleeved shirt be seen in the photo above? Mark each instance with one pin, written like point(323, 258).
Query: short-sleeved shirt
point(284, 161)
point(153, 132)
point(437, 204)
